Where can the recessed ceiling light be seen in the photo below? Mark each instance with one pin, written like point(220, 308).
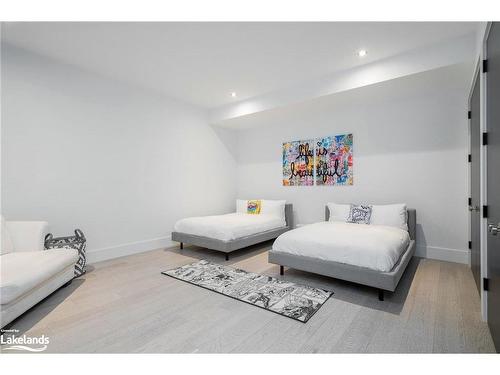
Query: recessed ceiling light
point(233, 95)
point(362, 53)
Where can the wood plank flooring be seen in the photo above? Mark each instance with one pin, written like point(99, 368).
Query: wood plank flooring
point(126, 305)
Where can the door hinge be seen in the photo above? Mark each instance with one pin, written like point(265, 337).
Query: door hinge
point(469, 201)
point(469, 115)
point(485, 211)
point(470, 244)
point(485, 66)
point(469, 158)
point(485, 138)
point(486, 284)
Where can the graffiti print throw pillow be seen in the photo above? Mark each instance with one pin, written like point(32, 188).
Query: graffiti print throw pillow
point(253, 207)
point(360, 214)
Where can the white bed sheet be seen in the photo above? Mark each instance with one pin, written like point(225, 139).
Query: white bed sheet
point(376, 247)
point(228, 227)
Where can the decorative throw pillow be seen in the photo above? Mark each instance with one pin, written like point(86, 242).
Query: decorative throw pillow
point(253, 207)
point(360, 214)
point(273, 208)
point(392, 215)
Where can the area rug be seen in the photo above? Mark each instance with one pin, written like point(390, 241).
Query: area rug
point(294, 301)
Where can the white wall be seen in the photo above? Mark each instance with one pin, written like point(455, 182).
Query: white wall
point(123, 164)
point(410, 140)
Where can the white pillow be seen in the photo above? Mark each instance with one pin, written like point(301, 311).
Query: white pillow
point(241, 206)
point(339, 212)
point(392, 215)
point(274, 208)
point(6, 244)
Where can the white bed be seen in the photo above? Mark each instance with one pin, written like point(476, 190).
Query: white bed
point(374, 254)
point(377, 247)
point(230, 232)
point(230, 226)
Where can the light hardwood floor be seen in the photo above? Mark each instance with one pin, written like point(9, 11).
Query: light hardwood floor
point(126, 305)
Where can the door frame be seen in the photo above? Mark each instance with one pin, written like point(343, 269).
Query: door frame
point(476, 77)
point(481, 55)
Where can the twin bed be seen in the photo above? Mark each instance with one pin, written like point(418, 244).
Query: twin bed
point(373, 255)
point(227, 233)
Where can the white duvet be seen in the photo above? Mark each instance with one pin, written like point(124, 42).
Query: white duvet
point(228, 227)
point(376, 247)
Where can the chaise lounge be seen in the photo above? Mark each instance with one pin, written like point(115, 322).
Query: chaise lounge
point(28, 273)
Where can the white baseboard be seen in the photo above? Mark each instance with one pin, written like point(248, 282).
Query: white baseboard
point(442, 253)
point(98, 255)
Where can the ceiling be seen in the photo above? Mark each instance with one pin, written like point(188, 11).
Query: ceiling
point(202, 63)
point(439, 81)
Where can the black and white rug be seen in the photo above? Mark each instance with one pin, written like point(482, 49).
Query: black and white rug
point(295, 301)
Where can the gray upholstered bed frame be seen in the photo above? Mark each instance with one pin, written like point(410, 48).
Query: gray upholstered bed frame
point(361, 275)
point(239, 243)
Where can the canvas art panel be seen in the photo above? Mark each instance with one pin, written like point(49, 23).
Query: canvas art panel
point(324, 161)
point(298, 163)
point(333, 163)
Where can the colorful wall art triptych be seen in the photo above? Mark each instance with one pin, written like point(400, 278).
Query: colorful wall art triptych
point(323, 161)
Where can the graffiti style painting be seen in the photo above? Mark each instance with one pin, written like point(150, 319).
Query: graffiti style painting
point(298, 163)
point(333, 163)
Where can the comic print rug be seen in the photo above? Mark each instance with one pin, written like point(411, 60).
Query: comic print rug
point(294, 301)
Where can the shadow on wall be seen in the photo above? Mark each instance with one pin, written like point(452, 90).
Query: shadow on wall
point(229, 139)
point(420, 234)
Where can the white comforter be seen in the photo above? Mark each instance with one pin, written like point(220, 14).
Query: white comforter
point(228, 227)
point(376, 247)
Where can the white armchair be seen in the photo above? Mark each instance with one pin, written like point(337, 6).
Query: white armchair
point(28, 273)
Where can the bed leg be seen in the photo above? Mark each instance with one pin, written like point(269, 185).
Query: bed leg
point(182, 246)
point(227, 257)
point(380, 294)
point(282, 270)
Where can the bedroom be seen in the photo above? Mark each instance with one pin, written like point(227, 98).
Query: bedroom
point(244, 187)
